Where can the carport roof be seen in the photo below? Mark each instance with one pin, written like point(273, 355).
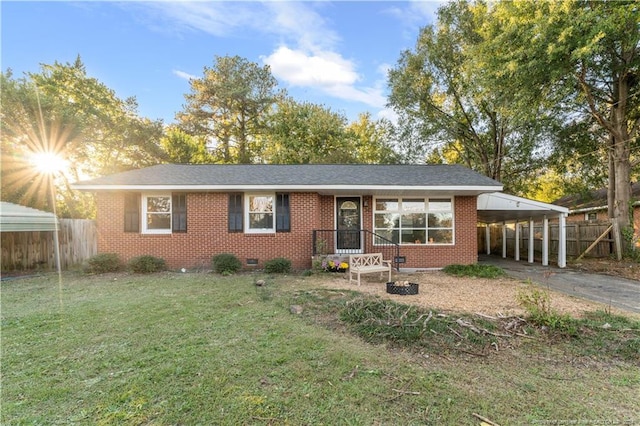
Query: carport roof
point(497, 207)
point(16, 218)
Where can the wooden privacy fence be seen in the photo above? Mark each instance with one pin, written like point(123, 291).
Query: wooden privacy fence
point(580, 235)
point(34, 250)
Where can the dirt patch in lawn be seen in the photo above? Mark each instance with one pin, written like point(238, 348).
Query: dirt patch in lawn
point(439, 291)
point(624, 268)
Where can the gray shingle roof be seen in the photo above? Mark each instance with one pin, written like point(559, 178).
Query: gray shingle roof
point(295, 175)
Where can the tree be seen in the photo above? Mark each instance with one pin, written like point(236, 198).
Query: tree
point(63, 111)
point(583, 57)
point(306, 133)
point(228, 107)
point(372, 140)
point(180, 147)
point(440, 95)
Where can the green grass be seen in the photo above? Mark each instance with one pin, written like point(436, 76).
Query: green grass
point(475, 270)
point(204, 349)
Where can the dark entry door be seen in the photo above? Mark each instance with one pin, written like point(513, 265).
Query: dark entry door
point(348, 223)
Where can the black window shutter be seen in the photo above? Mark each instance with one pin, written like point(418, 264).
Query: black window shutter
point(283, 214)
point(235, 212)
point(179, 212)
point(131, 212)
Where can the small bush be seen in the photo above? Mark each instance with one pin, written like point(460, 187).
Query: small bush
point(476, 270)
point(279, 265)
point(147, 264)
point(537, 303)
point(226, 264)
point(102, 263)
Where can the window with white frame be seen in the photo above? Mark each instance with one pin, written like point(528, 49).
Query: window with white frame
point(414, 220)
point(156, 214)
point(260, 213)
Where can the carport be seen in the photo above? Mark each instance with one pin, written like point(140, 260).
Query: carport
point(501, 209)
point(16, 218)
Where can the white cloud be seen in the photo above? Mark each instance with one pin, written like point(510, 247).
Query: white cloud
point(184, 75)
point(307, 55)
point(220, 19)
point(324, 69)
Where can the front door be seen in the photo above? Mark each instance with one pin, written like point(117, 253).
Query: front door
point(348, 224)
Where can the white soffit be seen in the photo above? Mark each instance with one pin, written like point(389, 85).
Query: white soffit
point(498, 207)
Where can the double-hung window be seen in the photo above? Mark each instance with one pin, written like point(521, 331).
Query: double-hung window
point(261, 213)
point(414, 220)
point(156, 214)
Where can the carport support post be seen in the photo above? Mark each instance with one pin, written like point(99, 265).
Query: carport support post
point(516, 248)
point(545, 241)
point(562, 241)
point(487, 239)
point(531, 241)
point(504, 239)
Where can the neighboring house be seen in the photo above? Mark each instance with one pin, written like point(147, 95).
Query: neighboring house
point(424, 215)
point(592, 206)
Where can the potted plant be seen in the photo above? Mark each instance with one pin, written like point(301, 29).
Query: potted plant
point(333, 266)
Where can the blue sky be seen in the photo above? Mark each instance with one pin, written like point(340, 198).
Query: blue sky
point(330, 53)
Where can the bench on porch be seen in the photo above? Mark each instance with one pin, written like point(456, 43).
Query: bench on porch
point(368, 263)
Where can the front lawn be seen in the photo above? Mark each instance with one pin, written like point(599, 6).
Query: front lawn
point(177, 348)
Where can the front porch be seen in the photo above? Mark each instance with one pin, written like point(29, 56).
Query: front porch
point(338, 244)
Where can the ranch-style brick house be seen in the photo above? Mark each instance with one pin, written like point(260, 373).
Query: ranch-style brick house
point(424, 216)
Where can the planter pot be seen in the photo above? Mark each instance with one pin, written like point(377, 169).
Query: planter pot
point(404, 290)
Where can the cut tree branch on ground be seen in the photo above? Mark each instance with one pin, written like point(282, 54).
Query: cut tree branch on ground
point(484, 419)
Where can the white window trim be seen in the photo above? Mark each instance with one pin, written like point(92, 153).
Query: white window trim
point(426, 200)
point(145, 230)
point(247, 204)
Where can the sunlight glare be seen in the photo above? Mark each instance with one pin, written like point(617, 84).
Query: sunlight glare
point(48, 162)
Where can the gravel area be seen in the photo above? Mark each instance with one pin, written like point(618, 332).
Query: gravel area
point(443, 292)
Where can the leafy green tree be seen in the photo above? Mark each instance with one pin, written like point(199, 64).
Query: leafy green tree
point(229, 106)
point(440, 95)
point(581, 58)
point(181, 147)
point(61, 110)
point(304, 133)
point(373, 140)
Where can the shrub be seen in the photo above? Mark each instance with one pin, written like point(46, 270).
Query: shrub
point(279, 265)
point(476, 270)
point(103, 262)
point(226, 264)
point(147, 264)
point(537, 303)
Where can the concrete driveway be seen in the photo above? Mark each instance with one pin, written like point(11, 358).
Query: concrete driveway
point(619, 292)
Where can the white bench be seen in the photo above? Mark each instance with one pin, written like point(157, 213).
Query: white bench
point(368, 263)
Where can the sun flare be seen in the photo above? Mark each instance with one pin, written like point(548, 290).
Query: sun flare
point(48, 162)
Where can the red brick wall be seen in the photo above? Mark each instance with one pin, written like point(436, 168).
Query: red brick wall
point(207, 234)
point(465, 249)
